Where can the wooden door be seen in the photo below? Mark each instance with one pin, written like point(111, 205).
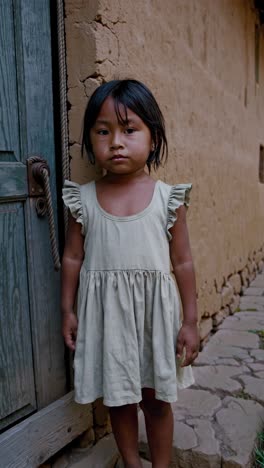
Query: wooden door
point(32, 369)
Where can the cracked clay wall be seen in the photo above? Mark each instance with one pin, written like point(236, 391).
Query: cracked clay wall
point(198, 58)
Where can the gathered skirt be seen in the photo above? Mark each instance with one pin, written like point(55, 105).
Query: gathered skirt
point(128, 322)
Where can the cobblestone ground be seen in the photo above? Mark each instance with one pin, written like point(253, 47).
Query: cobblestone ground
point(216, 421)
point(218, 418)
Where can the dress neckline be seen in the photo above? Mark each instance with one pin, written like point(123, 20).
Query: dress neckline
point(140, 214)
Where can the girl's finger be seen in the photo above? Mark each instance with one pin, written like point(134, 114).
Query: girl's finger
point(190, 358)
point(69, 341)
point(72, 346)
point(179, 348)
point(191, 354)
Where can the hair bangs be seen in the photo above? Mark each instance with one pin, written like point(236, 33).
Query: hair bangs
point(121, 110)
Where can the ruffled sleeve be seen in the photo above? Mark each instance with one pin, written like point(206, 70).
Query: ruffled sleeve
point(71, 195)
point(179, 195)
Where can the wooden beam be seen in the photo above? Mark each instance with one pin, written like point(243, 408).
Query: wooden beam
point(31, 442)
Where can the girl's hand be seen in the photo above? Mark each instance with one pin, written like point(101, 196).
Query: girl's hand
point(188, 338)
point(69, 329)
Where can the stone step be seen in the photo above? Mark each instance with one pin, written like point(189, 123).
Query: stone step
point(258, 282)
point(102, 455)
point(254, 291)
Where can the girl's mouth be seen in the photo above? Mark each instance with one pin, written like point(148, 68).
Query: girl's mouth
point(118, 157)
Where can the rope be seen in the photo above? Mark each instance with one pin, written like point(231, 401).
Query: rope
point(41, 174)
point(63, 100)
point(52, 231)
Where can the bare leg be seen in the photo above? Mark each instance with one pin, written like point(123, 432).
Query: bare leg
point(159, 427)
point(124, 422)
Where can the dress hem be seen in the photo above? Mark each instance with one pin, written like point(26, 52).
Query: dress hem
point(136, 399)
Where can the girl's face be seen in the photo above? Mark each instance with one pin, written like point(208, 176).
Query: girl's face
point(120, 149)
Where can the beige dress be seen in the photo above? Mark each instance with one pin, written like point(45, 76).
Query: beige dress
point(128, 304)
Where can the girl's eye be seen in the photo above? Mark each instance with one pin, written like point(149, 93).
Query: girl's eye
point(102, 132)
point(129, 130)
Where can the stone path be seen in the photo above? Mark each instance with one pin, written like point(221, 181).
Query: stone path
point(216, 421)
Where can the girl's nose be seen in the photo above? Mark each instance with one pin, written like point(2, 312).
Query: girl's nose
point(116, 140)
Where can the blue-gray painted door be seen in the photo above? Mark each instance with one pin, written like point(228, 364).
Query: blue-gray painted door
point(32, 369)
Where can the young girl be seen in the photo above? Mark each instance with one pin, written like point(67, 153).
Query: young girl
point(130, 346)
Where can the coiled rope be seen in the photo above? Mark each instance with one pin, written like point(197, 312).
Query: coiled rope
point(41, 172)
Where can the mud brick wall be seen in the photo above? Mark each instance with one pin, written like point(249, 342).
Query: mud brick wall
point(200, 60)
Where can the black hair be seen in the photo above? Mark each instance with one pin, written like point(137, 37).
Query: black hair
point(133, 95)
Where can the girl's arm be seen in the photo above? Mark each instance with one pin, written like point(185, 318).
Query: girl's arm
point(182, 263)
point(71, 264)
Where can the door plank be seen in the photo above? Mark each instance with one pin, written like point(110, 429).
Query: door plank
point(36, 439)
point(33, 30)
point(16, 364)
point(13, 181)
point(17, 386)
point(9, 131)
